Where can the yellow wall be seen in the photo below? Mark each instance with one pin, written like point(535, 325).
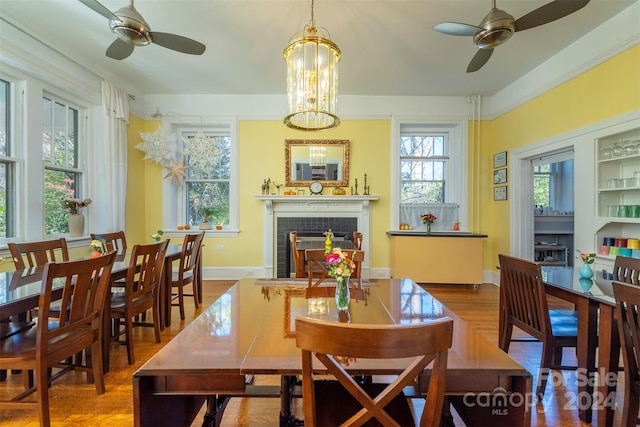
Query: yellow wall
point(608, 90)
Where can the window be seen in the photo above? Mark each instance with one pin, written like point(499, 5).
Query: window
point(210, 181)
point(541, 185)
point(429, 173)
point(422, 167)
point(207, 184)
point(60, 156)
point(7, 169)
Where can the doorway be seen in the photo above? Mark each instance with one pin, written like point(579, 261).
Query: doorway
point(553, 178)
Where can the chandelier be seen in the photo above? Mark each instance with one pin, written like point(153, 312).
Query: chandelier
point(312, 79)
point(317, 156)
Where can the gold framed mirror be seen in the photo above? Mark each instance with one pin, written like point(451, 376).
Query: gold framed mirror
point(323, 160)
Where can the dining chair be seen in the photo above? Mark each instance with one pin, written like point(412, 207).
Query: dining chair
point(525, 307)
point(187, 270)
point(298, 257)
point(38, 253)
point(357, 240)
point(627, 270)
point(340, 346)
point(627, 298)
point(141, 287)
point(84, 288)
point(115, 241)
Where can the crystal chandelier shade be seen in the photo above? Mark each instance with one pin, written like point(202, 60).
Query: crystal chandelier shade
point(312, 79)
point(317, 156)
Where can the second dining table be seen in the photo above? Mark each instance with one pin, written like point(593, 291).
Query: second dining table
point(597, 335)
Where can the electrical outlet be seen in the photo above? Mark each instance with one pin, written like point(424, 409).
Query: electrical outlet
point(220, 248)
point(250, 273)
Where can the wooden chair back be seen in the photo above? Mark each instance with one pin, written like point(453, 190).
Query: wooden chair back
point(115, 241)
point(84, 284)
point(144, 274)
point(298, 256)
point(330, 342)
point(524, 297)
point(38, 253)
point(627, 298)
point(188, 270)
point(316, 267)
point(357, 240)
point(627, 270)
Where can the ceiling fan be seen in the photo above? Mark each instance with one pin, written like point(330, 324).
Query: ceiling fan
point(498, 27)
point(132, 30)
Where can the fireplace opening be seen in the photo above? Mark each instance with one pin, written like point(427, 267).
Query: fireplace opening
point(308, 228)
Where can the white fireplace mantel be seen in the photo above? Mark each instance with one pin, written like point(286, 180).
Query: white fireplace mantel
point(315, 206)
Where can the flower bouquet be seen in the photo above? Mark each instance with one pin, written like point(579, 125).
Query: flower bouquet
point(428, 219)
point(75, 205)
point(340, 266)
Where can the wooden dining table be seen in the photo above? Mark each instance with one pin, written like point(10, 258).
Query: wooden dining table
point(597, 335)
point(250, 330)
point(20, 292)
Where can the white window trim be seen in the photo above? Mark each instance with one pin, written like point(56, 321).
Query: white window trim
point(172, 208)
point(458, 131)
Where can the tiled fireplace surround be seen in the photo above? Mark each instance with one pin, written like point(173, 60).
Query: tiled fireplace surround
point(311, 214)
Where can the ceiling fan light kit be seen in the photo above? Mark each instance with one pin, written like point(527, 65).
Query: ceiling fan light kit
point(498, 26)
point(312, 79)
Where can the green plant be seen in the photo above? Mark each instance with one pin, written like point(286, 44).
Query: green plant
point(208, 214)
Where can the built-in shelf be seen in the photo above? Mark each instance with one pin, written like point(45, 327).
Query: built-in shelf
point(553, 235)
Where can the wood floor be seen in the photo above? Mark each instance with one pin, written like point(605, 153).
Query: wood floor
point(75, 403)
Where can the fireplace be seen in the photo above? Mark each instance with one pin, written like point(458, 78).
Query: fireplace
point(311, 214)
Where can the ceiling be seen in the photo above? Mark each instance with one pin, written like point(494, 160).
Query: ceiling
point(388, 46)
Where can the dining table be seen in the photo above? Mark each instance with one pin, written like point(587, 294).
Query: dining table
point(250, 330)
point(598, 338)
point(20, 292)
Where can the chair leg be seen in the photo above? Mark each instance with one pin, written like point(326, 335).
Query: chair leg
point(181, 301)
point(128, 322)
point(195, 293)
point(156, 324)
point(545, 369)
point(42, 393)
point(631, 406)
point(94, 358)
point(505, 337)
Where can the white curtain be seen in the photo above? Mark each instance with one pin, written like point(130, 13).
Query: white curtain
point(446, 214)
point(116, 107)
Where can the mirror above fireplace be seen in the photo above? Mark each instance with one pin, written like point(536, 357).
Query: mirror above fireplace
point(309, 160)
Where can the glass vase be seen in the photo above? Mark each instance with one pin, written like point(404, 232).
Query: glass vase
point(586, 272)
point(342, 293)
point(428, 228)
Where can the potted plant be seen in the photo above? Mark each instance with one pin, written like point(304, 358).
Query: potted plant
point(207, 214)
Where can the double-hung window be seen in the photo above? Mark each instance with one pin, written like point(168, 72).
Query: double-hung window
point(7, 163)
point(63, 176)
point(209, 190)
point(430, 175)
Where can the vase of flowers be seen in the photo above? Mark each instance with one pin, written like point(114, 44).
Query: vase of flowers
point(97, 248)
point(340, 267)
point(76, 219)
point(428, 219)
point(587, 259)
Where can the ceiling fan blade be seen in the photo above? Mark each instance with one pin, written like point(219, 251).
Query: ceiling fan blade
point(97, 7)
point(548, 13)
point(480, 58)
point(179, 43)
point(457, 29)
point(119, 49)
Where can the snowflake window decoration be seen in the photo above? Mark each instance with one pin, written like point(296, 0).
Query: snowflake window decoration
point(158, 146)
point(202, 149)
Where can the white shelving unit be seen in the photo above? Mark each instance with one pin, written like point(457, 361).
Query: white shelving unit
point(618, 193)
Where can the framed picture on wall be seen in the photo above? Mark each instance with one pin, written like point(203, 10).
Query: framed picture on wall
point(500, 193)
point(500, 176)
point(500, 160)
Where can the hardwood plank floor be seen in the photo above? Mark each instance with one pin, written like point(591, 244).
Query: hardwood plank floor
point(75, 403)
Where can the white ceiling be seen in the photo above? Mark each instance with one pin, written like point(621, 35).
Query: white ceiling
point(388, 46)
